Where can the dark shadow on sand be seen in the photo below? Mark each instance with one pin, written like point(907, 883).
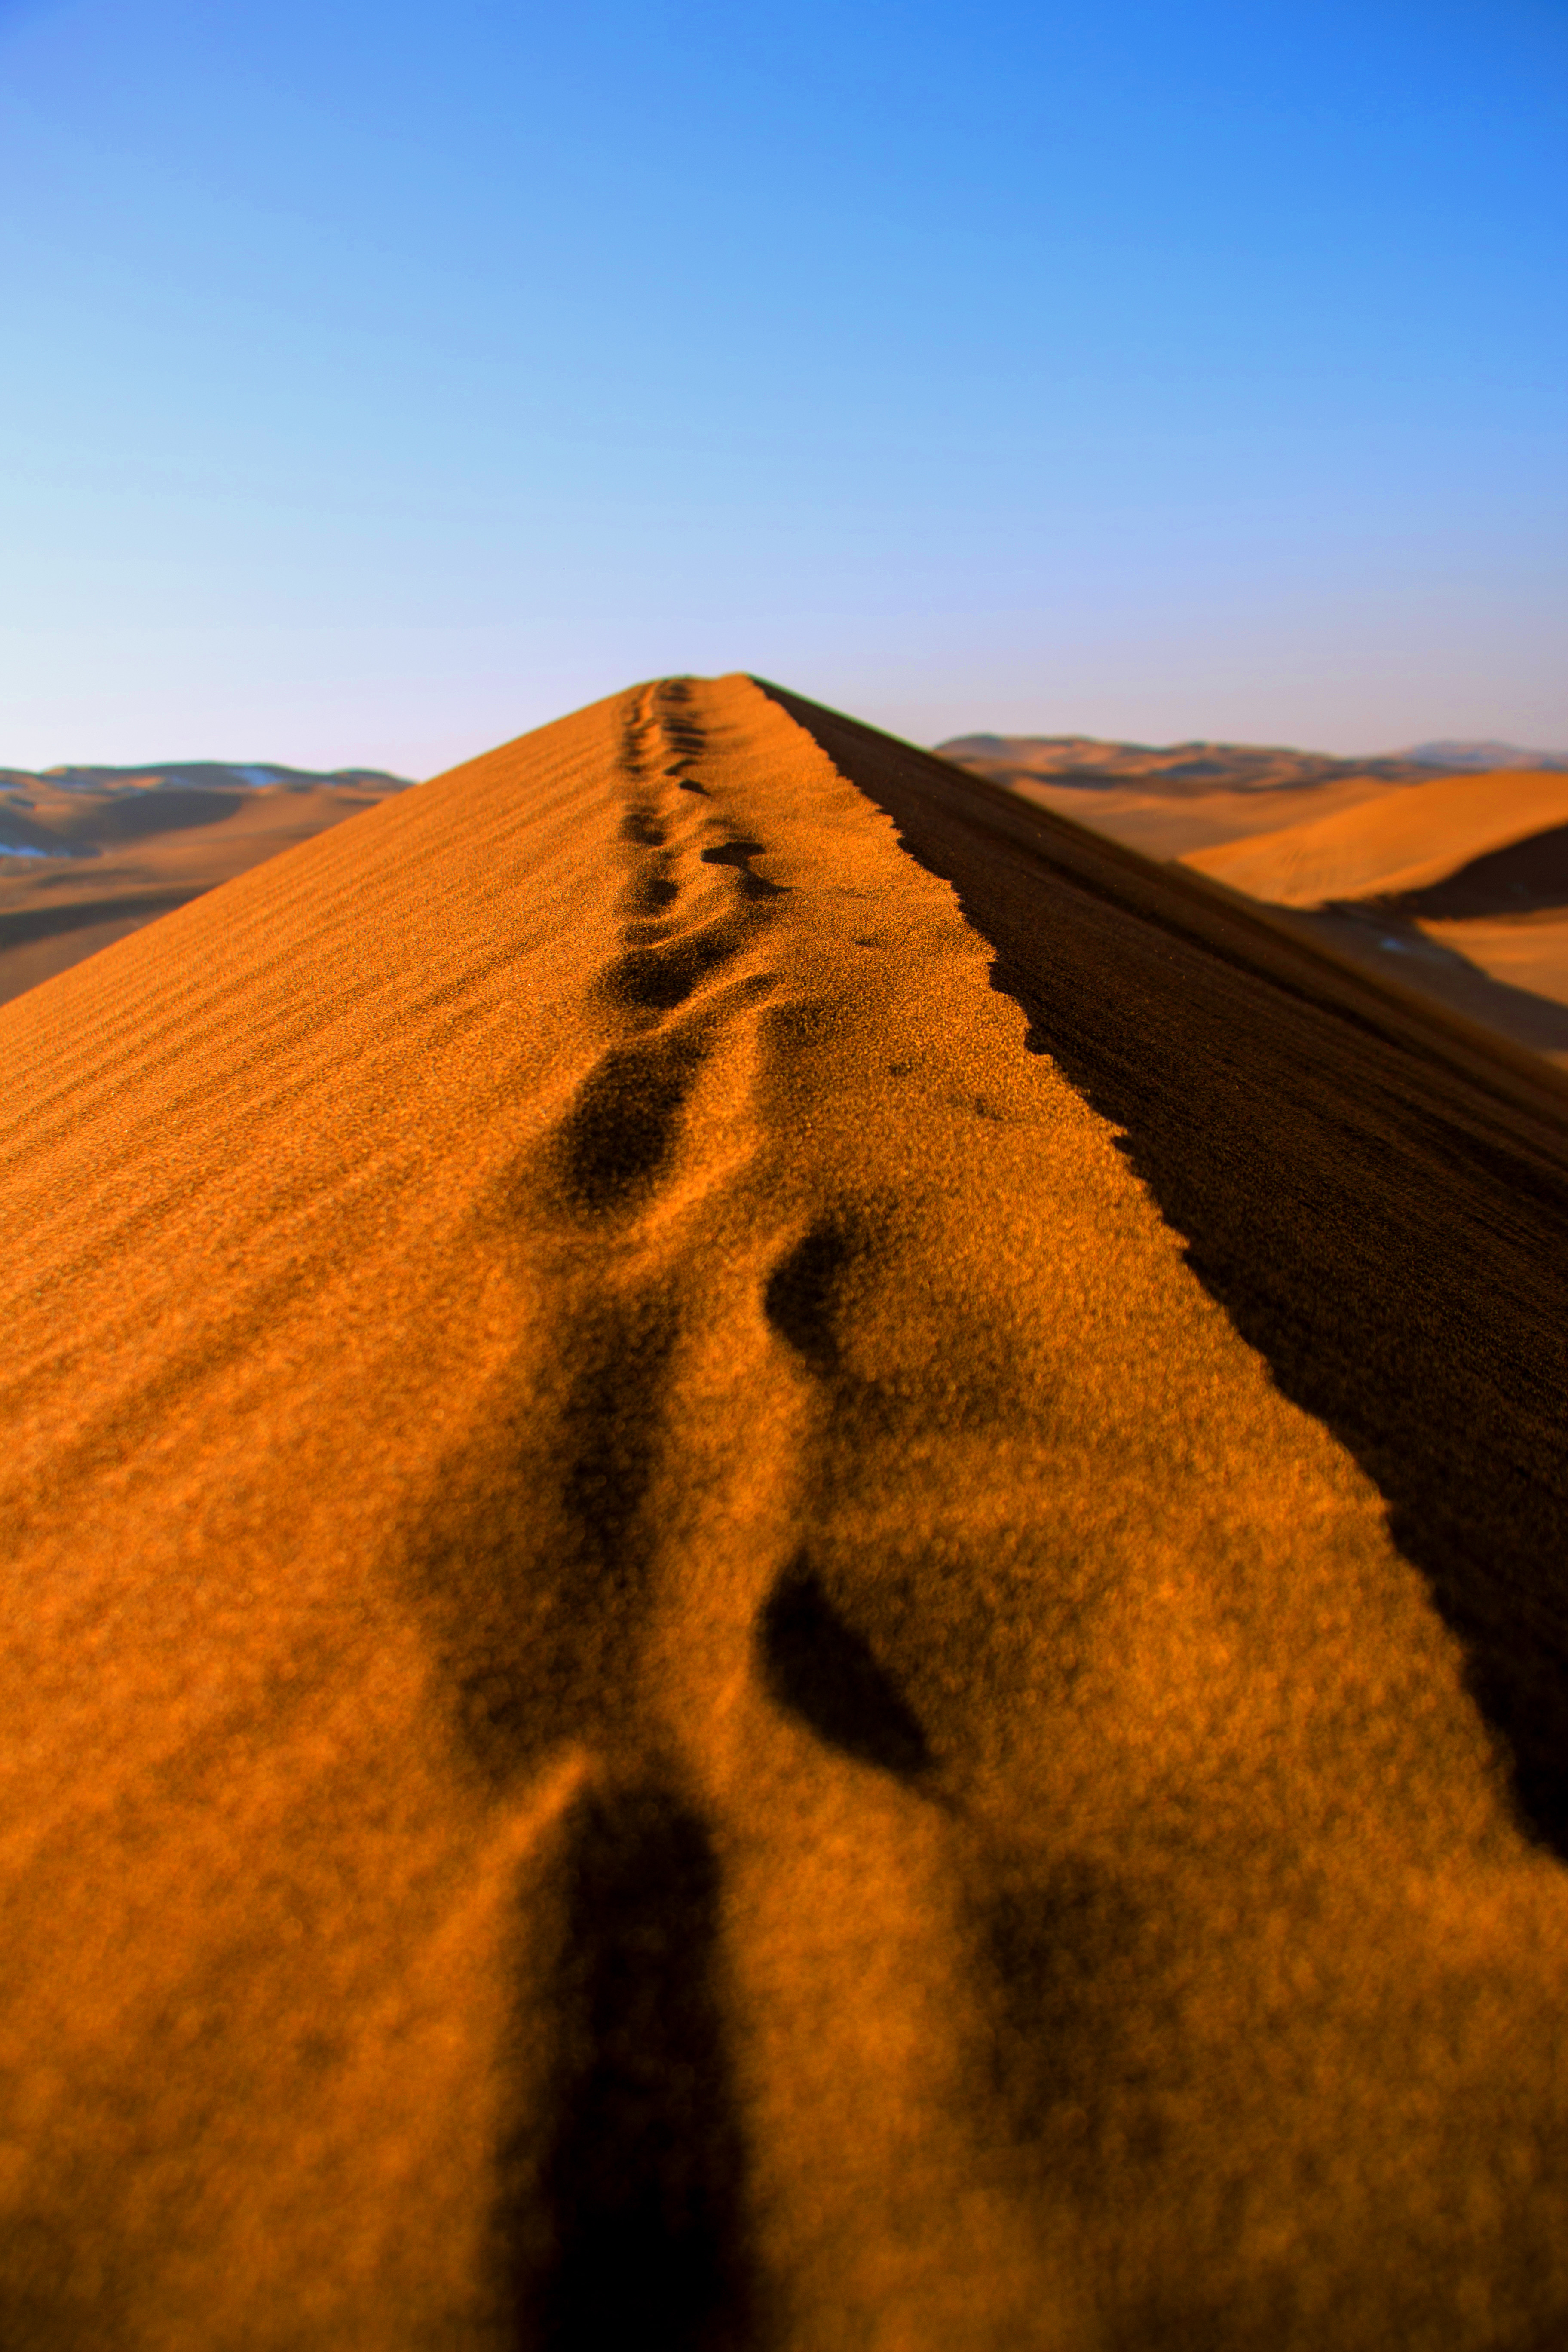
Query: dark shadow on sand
point(25, 925)
point(821, 1669)
point(1529, 876)
point(639, 2206)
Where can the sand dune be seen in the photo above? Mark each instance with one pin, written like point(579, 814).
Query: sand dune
point(1401, 843)
point(786, 1566)
point(89, 854)
point(1486, 753)
point(1527, 876)
point(1459, 887)
point(1165, 803)
point(1175, 771)
point(1463, 897)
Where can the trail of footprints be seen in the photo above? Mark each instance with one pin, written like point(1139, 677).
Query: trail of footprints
point(620, 1138)
point(620, 1135)
point(642, 2186)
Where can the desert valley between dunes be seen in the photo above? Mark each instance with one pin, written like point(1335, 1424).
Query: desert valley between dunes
point(788, 1556)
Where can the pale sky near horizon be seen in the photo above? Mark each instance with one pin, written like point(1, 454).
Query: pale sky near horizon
point(382, 381)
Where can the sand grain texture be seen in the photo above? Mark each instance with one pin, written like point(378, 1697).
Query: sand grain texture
point(785, 1569)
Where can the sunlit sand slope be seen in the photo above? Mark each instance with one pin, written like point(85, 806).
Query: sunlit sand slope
point(87, 855)
point(704, 1643)
point(1403, 842)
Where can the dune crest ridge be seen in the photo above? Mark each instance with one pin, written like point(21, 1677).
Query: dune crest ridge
point(671, 1674)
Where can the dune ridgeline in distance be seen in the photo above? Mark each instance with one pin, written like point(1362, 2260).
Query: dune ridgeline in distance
point(787, 1554)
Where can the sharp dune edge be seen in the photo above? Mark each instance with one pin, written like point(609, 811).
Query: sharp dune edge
point(785, 1570)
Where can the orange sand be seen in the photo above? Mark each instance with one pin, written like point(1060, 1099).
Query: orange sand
point(1183, 797)
point(781, 1575)
point(1464, 885)
point(1166, 827)
point(1465, 878)
point(1398, 844)
point(138, 850)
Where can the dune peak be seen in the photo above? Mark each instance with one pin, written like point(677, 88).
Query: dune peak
point(788, 1549)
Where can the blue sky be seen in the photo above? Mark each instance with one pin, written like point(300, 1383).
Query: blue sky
point(382, 381)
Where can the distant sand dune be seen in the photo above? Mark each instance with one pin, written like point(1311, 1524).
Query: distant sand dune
point(1430, 877)
point(1183, 797)
point(1402, 842)
point(786, 1566)
point(1459, 887)
point(1175, 771)
point(88, 855)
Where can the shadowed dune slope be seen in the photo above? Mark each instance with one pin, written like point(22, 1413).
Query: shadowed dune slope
point(1524, 877)
point(785, 1569)
point(1460, 887)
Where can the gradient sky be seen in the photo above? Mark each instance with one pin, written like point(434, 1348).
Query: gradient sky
point(382, 380)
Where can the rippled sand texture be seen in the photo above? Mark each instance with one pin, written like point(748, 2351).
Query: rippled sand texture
point(671, 1681)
